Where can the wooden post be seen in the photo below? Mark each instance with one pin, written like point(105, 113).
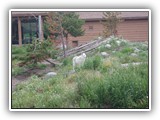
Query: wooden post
point(19, 32)
point(40, 27)
point(42, 34)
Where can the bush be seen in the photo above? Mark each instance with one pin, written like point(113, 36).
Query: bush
point(127, 87)
point(106, 65)
point(18, 49)
point(91, 89)
point(101, 48)
point(19, 53)
point(92, 62)
point(96, 62)
point(67, 61)
point(124, 88)
point(17, 70)
point(38, 51)
point(127, 50)
point(39, 93)
point(130, 59)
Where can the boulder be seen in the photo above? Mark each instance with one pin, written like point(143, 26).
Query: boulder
point(50, 75)
point(134, 54)
point(136, 50)
point(118, 42)
point(134, 64)
point(104, 54)
point(108, 46)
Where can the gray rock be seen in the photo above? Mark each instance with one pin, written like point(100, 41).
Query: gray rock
point(134, 54)
point(136, 50)
point(108, 46)
point(118, 42)
point(71, 72)
point(50, 75)
point(104, 54)
point(127, 64)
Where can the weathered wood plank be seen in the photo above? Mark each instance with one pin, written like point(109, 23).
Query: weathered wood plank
point(84, 48)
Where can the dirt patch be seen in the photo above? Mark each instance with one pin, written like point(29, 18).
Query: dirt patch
point(27, 74)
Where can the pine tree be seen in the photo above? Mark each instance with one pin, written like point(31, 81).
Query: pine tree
point(110, 23)
point(72, 25)
point(62, 24)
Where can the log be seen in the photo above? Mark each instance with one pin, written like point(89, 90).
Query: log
point(54, 63)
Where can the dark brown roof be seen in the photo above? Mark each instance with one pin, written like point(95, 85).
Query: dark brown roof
point(28, 13)
point(89, 15)
point(99, 15)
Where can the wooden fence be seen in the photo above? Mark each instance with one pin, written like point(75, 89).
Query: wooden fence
point(88, 47)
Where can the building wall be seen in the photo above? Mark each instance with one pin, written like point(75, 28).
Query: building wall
point(132, 30)
point(92, 31)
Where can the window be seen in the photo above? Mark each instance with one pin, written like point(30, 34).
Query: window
point(74, 43)
point(90, 27)
point(14, 31)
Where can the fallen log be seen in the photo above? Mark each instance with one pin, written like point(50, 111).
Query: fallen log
point(53, 62)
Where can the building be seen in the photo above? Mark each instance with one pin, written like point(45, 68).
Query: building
point(134, 27)
point(27, 25)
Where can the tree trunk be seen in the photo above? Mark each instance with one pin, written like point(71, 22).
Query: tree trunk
point(67, 40)
point(64, 51)
point(62, 36)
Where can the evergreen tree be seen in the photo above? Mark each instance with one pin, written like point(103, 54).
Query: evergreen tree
point(72, 25)
point(110, 23)
point(61, 24)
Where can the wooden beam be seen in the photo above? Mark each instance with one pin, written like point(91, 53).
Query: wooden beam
point(19, 32)
point(40, 27)
point(42, 34)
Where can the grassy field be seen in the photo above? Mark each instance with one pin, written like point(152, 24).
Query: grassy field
point(101, 83)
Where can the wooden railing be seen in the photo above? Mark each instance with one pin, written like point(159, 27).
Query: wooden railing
point(84, 48)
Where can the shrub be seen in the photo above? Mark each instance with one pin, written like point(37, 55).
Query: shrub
point(96, 62)
point(84, 102)
point(91, 89)
point(92, 62)
point(18, 49)
point(17, 70)
point(19, 53)
point(130, 59)
point(127, 50)
point(124, 88)
point(88, 64)
point(67, 61)
point(106, 65)
point(38, 93)
point(128, 86)
point(101, 48)
point(38, 51)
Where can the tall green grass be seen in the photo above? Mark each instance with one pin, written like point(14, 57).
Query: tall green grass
point(124, 88)
point(92, 62)
point(128, 88)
